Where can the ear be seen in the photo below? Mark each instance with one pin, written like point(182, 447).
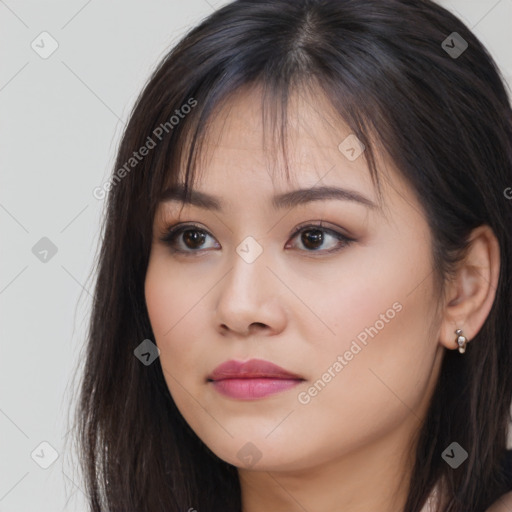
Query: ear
point(470, 295)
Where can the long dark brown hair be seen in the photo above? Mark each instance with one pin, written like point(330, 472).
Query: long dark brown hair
point(446, 122)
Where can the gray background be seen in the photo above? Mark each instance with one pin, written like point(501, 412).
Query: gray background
point(61, 121)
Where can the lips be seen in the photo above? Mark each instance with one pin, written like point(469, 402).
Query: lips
point(251, 380)
point(252, 369)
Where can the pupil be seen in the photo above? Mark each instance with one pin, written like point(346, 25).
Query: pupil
point(317, 238)
point(195, 237)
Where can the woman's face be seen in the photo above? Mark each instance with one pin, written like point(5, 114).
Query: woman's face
point(354, 320)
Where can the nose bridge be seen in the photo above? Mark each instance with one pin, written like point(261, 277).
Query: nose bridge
point(247, 277)
point(247, 295)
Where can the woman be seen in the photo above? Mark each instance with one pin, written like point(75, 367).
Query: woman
point(303, 299)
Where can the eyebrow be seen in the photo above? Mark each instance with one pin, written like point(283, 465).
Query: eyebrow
point(285, 200)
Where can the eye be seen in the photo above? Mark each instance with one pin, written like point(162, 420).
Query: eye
point(193, 238)
point(314, 237)
point(189, 239)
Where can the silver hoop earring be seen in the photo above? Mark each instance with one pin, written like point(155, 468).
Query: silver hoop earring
point(461, 341)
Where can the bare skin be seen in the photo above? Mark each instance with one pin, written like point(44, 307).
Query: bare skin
point(503, 504)
point(347, 447)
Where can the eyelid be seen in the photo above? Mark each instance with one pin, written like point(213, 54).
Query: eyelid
point(326, 226)
point(175, 229)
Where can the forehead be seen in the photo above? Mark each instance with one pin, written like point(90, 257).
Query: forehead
point(243, 143)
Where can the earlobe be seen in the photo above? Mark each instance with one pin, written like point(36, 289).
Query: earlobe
point(470, 295)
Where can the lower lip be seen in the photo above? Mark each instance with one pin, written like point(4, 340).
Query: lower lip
point(251, 389)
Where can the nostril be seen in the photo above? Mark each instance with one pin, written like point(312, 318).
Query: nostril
point(257, 326)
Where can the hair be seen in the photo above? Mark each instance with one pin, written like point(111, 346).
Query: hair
point(445, 122)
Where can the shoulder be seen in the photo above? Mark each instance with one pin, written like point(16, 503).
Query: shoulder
point(502, 504)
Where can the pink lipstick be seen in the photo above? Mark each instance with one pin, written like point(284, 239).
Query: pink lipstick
point(252, 379)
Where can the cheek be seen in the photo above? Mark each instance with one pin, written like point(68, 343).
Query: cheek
point(387, 348)
point(386, 368)
point(161, 301)
point(174, 301)
point(381, 310)
point(171, 295)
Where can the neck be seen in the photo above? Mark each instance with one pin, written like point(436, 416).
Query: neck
point(373, 477)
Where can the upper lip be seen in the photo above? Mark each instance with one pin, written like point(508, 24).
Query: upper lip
point(254, 368)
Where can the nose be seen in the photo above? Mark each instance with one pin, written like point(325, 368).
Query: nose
point(249, 300)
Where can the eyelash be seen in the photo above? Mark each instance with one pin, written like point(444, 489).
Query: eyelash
point(172, 232)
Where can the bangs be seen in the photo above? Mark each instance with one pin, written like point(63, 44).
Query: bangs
point(187, 157)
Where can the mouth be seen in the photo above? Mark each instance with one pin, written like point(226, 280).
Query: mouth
point(252, 379)
point(253, 388)
point(251, 369)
